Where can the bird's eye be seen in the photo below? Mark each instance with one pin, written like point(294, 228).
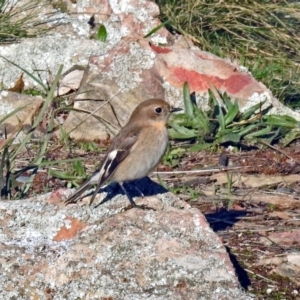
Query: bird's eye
point(158, 110)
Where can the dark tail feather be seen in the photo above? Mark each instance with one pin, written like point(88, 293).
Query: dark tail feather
point(96, 192)
point(74, 198)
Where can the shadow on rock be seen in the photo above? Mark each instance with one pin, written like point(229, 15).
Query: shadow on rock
point(224, 219)
point(144, 185)
point(242, 275)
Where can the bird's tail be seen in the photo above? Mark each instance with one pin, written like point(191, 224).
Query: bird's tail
point(74, 198)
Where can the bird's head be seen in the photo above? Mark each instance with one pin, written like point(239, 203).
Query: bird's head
point(153, 110)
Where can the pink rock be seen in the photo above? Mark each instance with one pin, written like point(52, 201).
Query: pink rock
point(112, 251)
point(67, 233)
point(201, 69)
point(137, 68)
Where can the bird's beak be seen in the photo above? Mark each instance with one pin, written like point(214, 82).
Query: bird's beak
point(174, 109)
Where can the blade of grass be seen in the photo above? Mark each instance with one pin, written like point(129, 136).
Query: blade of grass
point(47, 163)
point(28, 73)
point(41, 113)
point(5, 156)
point(13, 113)
point(188, 105)
point(38, 160)
point(64, 175)
point(251, 110)
point(13, 134)
point(157, 28)
point(232, 113)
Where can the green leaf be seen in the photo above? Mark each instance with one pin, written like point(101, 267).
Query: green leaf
point(157, 28)
point(181, 132)
point(29, 74)
point(227, 102)
point(41, 114)
point(290, 137)
point(63, 175)
point(200, 146)
point(79, 168)
point(282, 121)
point(220, 117)
point(259, 133)
point(60, 161)
point(161, 182)
point(101, 34)
point(188, 105)
point(230, 137)
point(251, 110)
point(245, 130)
point(180, 119)
point(177, 152)
point(232, 113)
point(277, 134)
point(12, 113)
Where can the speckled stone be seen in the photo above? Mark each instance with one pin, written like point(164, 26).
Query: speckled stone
point(111, 251)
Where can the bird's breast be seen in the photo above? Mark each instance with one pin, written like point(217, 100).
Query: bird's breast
point(144, 155)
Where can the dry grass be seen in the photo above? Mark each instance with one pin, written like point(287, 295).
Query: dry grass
point(20, 19)
point(262, 35)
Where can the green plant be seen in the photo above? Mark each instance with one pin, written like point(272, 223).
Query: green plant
point(74, 177)
point(225, 124)
point(10, 153)
point(10, 150)
point(20, 19)
point(90, 147)
point(101, 33)
point(172, 156)
point(262, 35)
point(187, 191)
point(156, 28)
point(229, 183)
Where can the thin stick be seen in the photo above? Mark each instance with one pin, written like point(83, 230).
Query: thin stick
point(249, 271)
point(199, 171)
point(278, 150)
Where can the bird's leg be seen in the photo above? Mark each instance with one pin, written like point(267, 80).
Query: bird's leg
point(135, 186)
point(126, 193)
point(131, 200)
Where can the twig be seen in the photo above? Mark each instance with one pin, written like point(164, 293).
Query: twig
point(258, 275)
point(200, 171)
point(278, 150)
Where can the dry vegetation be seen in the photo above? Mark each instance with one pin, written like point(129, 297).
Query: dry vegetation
point(255, 209)
point(262, 35)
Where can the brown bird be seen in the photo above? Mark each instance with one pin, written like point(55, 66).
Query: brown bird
point(135, 151)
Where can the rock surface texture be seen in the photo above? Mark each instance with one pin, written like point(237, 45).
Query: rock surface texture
point(167, 251)
point(127, 68)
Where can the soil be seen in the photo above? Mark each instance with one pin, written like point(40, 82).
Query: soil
point(253, 206)
point(256, 212)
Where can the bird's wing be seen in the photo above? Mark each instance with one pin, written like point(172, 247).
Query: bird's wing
point(117, 152)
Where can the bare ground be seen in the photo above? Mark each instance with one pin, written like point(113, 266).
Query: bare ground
point(256, 212)
point(254, 209)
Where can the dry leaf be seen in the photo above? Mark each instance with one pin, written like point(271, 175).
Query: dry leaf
point(19, 85)
point(70, 82)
